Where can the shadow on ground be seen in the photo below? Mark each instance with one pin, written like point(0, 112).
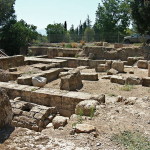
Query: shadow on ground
point(5, 133)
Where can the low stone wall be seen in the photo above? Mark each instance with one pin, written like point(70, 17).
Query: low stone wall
point(64, 101)
point(76, 62)
point(35, 60)
point(37, 50)
point(62, 52)
point(12, 61)
point(101, 52)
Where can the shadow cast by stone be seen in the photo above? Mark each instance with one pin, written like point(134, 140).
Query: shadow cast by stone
point(5, 133)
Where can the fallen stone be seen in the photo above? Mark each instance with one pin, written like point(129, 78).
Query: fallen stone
point(84, 128)
point(59, 121)
point(39, 81)
point(117, 79)
point(133, 81)
point(142, 64)
point(71, 82)
point(89, 76)
point(101, 68)
point(86, 107)
point(118, 65)
point(146, 81)
point(112, 72)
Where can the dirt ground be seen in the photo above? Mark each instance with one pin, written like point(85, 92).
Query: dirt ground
point(104, 86)
point(112, 119)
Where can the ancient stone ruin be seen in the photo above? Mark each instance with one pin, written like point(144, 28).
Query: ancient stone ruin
point(55, 84)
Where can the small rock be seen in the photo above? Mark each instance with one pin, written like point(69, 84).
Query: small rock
point(84, 128)
point(120, 99)
point(86, 107)
point(59, 121)
point(112, 72)
point(130, 101)
point(39, 81)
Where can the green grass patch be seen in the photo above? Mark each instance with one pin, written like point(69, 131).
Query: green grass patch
point(127, 87)
point(132, 140)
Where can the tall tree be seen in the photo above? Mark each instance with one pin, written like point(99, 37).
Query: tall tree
point(6, 10)
point(141, 15)
point(88, 21)
point(112, 16)
point(65, 25)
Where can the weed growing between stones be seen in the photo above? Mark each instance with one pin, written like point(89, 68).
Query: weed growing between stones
point(127, 87)
point(132, 140)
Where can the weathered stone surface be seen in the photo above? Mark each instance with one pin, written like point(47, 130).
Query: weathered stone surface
point(89, 76)
point(101, 68)
point(133, 80)
point(117, 79)
point(112, 72)
point(5, 109)
point(106, 77)
point(25, 80)
point(11, 61)
point(86, 107)
point(84, 128)
point(142, 64)
point(39, 81)
point(118, 65)
point(31, 116)
point(132, 60)
point(71, 82)
point(59, 121)
point(146, 81)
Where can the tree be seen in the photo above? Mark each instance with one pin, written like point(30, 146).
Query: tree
point(113, 16)
point(55, 32)
point(141, 15)
point(89, 34)
point(6, 11)
point(16, 35)
point(65, 26)
point(88, 21)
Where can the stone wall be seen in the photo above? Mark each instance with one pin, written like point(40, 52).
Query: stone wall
point(64, 101)
point(102, 52)
point(62, 52)
point(37, 50)
point(12, 61)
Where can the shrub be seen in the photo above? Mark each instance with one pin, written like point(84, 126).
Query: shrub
point(127, 87)
point(74, 45)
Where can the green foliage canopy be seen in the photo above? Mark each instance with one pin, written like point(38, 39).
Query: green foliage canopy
point(6, 10)
point(141, 15)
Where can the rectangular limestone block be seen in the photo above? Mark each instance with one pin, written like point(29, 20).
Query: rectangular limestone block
point(117, 79)
point(89, 76)
point(146, 81)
